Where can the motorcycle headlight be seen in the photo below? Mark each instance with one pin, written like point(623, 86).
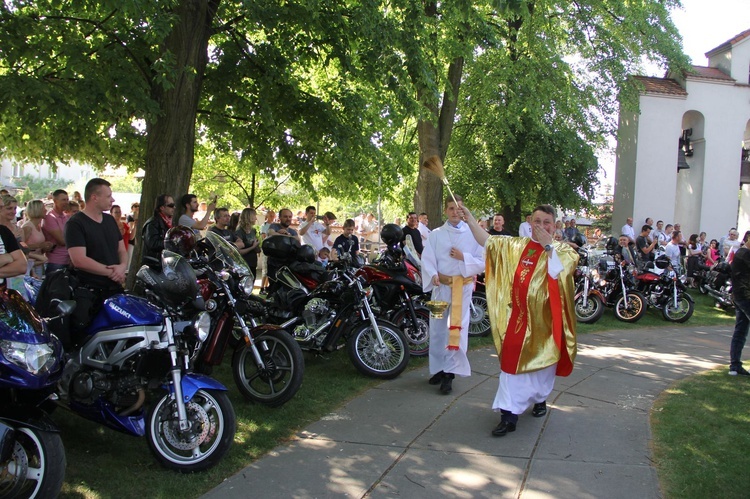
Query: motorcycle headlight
point(36, 358)
point(202, 325)
point(246, 285)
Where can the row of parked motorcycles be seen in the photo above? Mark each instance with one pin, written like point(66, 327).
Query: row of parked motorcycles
point(605, 279)
point(141, 363)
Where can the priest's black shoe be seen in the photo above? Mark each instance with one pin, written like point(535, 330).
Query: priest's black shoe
point(539, 409)
point(446, 385)
point(436, 378)
point(503, 428)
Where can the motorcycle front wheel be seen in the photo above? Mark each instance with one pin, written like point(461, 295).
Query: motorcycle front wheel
point(419, 337)
point(279, 379)
point(211, 427)
point(591, 312)
point(372, 359)
point(633, 310)
point(36, 467)
point(479, 321)
point(682, 312)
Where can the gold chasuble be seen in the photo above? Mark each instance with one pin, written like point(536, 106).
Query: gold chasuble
point(532, 315)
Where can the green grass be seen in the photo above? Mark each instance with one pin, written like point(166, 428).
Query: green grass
point(701, 439)
point(103, 463)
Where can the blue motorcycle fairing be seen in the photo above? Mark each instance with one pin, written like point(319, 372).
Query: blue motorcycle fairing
point(13, 376)
point(192, 382)
point(103, 412)
point(123, 311)
point(19, 321)
point(28, 416)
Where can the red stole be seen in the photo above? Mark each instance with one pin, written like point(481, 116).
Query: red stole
point(515, 334)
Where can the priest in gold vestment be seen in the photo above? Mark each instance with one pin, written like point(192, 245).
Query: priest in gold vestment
point(530, 296)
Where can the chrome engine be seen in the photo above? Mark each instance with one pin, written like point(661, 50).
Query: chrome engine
point(318, 316)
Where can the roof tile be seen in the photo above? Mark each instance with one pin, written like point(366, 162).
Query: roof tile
point(655, 85)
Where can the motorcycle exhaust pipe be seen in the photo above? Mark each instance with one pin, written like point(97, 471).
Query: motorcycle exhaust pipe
point(138, 404)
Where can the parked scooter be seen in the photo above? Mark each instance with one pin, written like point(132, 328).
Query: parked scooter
point(32, 457)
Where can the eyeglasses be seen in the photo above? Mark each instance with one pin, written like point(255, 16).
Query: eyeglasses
point(170, 205)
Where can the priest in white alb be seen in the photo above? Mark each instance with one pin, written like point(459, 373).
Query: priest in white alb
point(450, 260)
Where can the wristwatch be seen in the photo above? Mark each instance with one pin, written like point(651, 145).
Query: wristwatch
point(547, 247)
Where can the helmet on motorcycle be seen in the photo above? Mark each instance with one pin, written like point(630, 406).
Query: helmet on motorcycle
point(180, 240)
point(391, 234)
point(306, 253)
point(662, 261)
point(176, 283)
point(612, 244)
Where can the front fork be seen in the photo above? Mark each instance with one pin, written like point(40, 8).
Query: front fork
point(367, 313)
point(176, 375)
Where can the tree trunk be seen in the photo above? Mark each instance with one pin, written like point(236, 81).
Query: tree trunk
point(434, 141)
point(171, 134)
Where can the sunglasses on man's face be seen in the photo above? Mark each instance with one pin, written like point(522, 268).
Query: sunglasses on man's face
point(170, 205)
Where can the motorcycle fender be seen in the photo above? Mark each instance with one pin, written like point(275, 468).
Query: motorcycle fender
point(689, 298)
point(192, 382)
point(29, 416)
point(595, 292)
point(259, 330)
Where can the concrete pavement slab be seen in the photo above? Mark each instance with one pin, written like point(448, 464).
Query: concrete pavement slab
point(555, 478)
point(466, 427)
point(403, 439)
point(308, 469)
point(423, 474)
point(589, 430)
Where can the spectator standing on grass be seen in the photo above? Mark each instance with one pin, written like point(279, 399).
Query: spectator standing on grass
point(741, 296)
point(247, 238)
point(53, 229)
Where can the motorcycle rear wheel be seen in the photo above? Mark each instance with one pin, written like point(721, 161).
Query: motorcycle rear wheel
point(372, 360)
point(419, 339)
point(592, 312)
point(479, 321)
point(682, 312)
point(37, 466)
point(212, 426)
point(631, 311)
point(281, 378)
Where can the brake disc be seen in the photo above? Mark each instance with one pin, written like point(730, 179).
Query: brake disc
point(200, 425)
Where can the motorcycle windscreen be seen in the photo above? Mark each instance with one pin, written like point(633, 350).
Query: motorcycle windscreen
point(19, 321)
point(126, 310)
point(228, 254)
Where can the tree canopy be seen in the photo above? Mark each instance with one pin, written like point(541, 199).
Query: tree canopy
point(343, 97)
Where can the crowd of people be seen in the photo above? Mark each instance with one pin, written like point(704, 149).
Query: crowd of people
point(533, 272)
point(689, 254)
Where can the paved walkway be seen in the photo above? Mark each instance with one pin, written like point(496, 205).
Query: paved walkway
point(404, 439)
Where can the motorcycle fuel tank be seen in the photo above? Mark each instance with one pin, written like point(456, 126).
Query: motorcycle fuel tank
point(126, 310)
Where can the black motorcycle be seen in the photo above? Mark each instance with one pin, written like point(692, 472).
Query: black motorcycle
point(329, 310)
point(589, 299)
point(717, 283)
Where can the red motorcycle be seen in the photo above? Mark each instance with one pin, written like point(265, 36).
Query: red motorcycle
point(665, 290)
point(396, 282)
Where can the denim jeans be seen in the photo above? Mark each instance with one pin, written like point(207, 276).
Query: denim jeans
point(741, 326)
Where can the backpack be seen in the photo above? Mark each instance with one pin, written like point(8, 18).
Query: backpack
point(57, 285)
